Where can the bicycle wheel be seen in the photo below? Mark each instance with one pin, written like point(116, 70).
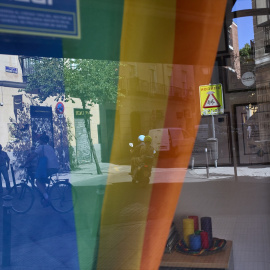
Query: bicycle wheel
point(23, 198)
point(61, 197)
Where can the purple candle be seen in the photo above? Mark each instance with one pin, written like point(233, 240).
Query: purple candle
point(206, 225)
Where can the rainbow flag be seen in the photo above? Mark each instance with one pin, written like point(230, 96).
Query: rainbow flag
point(125, 227)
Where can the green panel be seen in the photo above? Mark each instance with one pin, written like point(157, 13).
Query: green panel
point(101, 26)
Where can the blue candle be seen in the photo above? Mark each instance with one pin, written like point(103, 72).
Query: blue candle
point(195, 242)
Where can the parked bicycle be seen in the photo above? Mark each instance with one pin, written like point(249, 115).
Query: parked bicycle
point(61, 196)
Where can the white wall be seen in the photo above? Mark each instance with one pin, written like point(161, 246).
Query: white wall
point(10, 61)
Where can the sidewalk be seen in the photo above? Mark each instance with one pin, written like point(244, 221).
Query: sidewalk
point(87, 173)
point(244, 174)
point(198, 174)
point(50, 253)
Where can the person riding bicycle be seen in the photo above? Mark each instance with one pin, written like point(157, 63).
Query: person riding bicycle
point(31, 163)
point(44, 149)
point(135, 154)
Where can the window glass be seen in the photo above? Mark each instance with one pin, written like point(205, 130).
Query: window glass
point(134, 134)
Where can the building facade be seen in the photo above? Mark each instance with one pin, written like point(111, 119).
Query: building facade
point(23, 119)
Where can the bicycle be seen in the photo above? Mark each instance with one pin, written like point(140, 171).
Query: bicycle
point(60, 194)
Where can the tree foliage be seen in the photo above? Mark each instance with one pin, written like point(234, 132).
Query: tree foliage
point(245, 53)
point(46, 78)
point(246, 50)
point(92, 81)
point(19, 133)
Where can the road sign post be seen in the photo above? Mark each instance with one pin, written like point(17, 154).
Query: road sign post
point(211, 99)
point(211, 103)
point(59, 109)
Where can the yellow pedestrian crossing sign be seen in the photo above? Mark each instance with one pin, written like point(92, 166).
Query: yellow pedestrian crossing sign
point(211, 99)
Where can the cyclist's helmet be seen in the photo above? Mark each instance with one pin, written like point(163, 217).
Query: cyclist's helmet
point(147, 139)
point(141, 138)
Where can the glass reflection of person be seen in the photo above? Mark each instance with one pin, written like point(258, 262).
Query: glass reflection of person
point(135, 154)
point(31, 164)
point(52, 163)
point(147, 150)
point(4, 167)
point(249, 129)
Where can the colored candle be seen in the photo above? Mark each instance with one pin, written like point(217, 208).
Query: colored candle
point(187, 233)
point(204, 239)
point(188, 223)
point(206, 225)
point(196, 222)
point(188, 229)
point(195, 242)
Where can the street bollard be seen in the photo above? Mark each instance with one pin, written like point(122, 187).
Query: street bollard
point(207, 166)
point(192, 163)
point(6, 250)
point(212, 146)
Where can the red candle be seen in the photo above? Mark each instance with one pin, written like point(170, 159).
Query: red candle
point(196, 222)
point(204, 239)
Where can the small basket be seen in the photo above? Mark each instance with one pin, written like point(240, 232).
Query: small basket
point(218, 245)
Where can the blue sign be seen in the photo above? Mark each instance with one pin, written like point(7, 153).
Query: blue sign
point(59, 18)
point(11, 70)
point(59, 108)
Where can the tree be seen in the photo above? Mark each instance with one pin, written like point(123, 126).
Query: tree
point(92, 81)
point(19, 133)
point(245, 53)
